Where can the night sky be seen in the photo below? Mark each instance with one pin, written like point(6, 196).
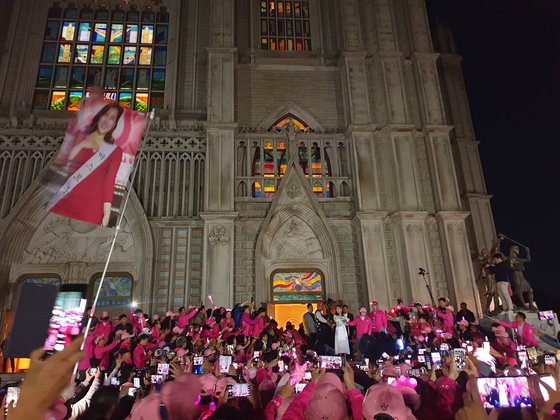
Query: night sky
point(511, 63)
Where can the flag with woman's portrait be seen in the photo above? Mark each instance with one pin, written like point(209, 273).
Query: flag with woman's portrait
point(90, 172)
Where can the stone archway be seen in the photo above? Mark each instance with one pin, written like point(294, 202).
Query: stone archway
point(35, 241)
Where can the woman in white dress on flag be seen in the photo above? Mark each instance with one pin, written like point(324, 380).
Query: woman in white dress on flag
point(341, 345)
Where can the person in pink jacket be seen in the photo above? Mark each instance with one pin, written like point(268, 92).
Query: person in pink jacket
point(445, 315)
point(101, 351)
point(247, 323)
point(363, 324)
point(88, 350)
point(104, 327)
point(141, 353)
point(261, 323)
point(523, 330)
point(378, 317)
point(185, 317)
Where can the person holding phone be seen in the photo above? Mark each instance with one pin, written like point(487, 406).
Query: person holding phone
point(523, 330)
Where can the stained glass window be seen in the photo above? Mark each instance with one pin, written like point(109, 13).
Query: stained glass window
point(297, 286)
point(124, 51)
point(115, 293)
point(285, 25)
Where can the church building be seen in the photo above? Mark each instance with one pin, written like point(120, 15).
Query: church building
point(301, 150)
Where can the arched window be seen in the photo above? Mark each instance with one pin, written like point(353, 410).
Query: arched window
point(123, 51)
point(303, 286)
point(270, 159)
point(285, 25)
point(116, 293)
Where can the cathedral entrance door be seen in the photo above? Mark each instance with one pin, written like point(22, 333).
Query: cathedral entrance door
point(291, 292)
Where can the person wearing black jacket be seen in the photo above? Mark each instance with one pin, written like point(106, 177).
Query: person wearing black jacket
point(500, 269)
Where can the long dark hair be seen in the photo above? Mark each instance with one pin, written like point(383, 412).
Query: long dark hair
point(93, 126)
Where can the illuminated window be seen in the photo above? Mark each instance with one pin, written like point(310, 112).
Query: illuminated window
point(270, 160)
point(123, 51)
point(297, 286)
point(285, 25)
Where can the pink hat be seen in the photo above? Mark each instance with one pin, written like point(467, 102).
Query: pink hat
point(126, 335)
point(104, 314)
point(363, 310)
point(500, 332)
point(170, 314)
point(411, 397)
point(390, 370)
point(463, 322)
point(209, 352)
point(275, 346)
point(155, 317)
point(330, 378)
point(210, 321)
point(385, 399)
point(179, 397)
point(221, 384)
point(208, 383)
point(177, 330)
point(326, 401)
point(374, 302)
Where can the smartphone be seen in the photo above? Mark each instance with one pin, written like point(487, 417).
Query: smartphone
point(157, 379)
point(281, 367)
point(523, 359)
point(364, 368)
point(66, 321)
point(549, 359)
point(436, 360)
point(132, 391)
point(470, 348)
point(330, 362)
point(115, 381)
point(163, 368)
point(12, 395)
point(414, 372)
point(549, 380)
point(444, 349)
point(504, 392)
point(366, 361)
point(238, 390)
point(400, 344)
point(300, 387)
point(546, 315)
point(307, 376)
point(256, 355)
point(225, 363)
point(93, 371)
point(385, 355)
point(459, 357)
point(486, 345)
point(136, 382)
point(391, 379)
point(229, 348)
point(532, 354)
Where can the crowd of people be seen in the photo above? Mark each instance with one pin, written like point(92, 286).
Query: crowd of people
point(410, 361)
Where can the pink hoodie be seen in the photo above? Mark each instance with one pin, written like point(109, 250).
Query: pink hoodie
point(103, 328)
point(102, 353)
point(379, 319)
point(185, 318)
point(363, 325)
point(247, 323)
point(88, 350)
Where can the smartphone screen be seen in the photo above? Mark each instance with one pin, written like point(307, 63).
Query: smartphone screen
point(523, 359)
point(300, 387)
point(225, 363)
point(504, 392)
point(132, 391)
point(163, 368)
point(157, 379)
point(549, 359)
point(256, 354)
point(115, 382)
point(459, 357)
point(532, 353)
point(238, 390)
point(436, 359)
point(281, 366)
point(66, 320)
point(330, 362)
point(12, 396)
point(307, 376)
point(136, 382)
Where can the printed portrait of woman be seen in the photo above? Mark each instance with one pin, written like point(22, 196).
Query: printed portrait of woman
point(92, 166)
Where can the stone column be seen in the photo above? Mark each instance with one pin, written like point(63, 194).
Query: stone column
point(376, 269)
point(414, 253)
point(458, 263)
point(219, 204)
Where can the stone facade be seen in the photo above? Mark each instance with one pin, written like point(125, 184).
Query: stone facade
point(405, 179)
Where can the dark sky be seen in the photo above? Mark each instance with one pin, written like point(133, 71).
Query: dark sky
point(511, 63)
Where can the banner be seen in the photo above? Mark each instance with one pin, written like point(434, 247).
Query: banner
point(88, 177)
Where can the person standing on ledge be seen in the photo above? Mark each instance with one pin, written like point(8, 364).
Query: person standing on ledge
point(500, 269)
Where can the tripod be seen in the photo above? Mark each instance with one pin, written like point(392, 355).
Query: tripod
point(422, 272)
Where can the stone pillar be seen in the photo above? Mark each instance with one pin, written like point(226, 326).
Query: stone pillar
point(376, 269)
point(219, 204)
point(442, 170)
point(414, 253)
point(430, 94)
point(458, 263)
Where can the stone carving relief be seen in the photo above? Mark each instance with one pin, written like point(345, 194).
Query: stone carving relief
point(296, 240)
point(293, 191)
point(62, 240)
point(218, 236)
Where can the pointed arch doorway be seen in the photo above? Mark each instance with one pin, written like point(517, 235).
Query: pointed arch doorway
point(291, 291)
